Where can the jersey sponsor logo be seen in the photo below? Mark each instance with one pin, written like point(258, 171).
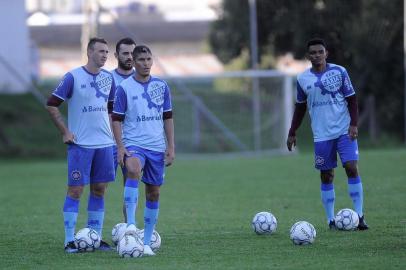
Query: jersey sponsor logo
point(327, 103)
point(91, 108)
point(330, 82)
point(319, 160)
point(144, 118)
point(76, 175)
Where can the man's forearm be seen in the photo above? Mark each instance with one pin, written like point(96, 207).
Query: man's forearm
point(298, 115)
point(57, 118)
point(169, 132)
point(117, 131)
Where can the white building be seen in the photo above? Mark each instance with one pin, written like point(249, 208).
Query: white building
point(15, 64)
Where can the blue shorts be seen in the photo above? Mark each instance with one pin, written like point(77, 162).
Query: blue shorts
point(87, 165)
point(325, 152)
point(152, 164)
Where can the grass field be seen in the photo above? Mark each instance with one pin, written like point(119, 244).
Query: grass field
point(205, 214)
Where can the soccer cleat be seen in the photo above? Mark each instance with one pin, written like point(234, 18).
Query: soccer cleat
point(148, 251)
point(332, 225)
point(362, 225)
point(104, 246)
point(70, 247)
point(132, 230)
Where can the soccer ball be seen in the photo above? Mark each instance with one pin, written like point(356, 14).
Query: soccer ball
point(118, 232)
point(87, 239)
point(155, 239)
point(302, 233)
point(264, 223)
point(346, 219)
point(130, 246)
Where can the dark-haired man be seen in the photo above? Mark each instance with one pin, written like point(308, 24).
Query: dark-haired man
point(125, 69)
point(326, 90)
point(144, 132)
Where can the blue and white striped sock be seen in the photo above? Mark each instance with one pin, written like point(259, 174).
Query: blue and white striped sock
point(95, 213)
point(328, 198)
point(131, 199)
point(150, 219)
point(70, 216)
point(356, 193)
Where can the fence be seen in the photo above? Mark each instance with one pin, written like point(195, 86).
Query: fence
point(226, 113)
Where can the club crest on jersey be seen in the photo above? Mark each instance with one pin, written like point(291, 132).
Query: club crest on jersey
point(319, 160)
point(154, 94)
point(76, 175)
point(102, 85)
point(330, 82)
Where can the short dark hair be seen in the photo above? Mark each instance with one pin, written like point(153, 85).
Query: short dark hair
point(94, 40)
point(316, 41)
point(126, 41)
point(140, 49)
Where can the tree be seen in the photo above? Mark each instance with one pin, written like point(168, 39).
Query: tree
point(365, 36)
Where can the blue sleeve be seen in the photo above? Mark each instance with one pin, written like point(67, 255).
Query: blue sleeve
point(112, 90)
point(120, 101)
point(347, 88)
point(167, 106)
point(301, 96)
point(65, 88)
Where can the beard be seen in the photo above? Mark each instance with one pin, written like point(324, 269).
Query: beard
point(125, 66)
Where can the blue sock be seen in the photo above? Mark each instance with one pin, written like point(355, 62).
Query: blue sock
point(131, 199)
point(95, 213)
point(150, 218)
point(70, 216)
point(356, 193)
point(327, 198)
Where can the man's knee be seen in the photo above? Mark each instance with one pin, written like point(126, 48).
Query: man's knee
point(152, 193)
point(98, 189)
point(351, 169)
point(133, 169)
point(75, 192)
point(327, 176)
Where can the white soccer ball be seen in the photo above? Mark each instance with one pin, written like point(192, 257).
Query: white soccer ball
point(302, 233)
point(130, 246)
point(346, 219)
point(117, 232)
point(264, 223)
point(87, 239)
point(155, 239)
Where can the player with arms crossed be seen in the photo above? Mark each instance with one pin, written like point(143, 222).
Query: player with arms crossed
point(144, 132)
point(125, 69)
point(326, 90)
point(89, 92)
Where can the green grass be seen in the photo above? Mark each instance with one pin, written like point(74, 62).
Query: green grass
point(205, 214)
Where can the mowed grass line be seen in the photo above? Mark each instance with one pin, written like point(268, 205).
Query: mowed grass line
point(205, 213)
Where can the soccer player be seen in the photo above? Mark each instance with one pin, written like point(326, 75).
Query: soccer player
point(144, 133)
point(89, 91)
point(326, 90)
point(125, 69)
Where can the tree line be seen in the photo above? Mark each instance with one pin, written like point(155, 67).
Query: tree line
point(365, 36)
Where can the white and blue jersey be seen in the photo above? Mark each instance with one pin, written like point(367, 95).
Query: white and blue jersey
point(87, 96)
point(143, 105)
point(118, 77)
point(325, 95)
